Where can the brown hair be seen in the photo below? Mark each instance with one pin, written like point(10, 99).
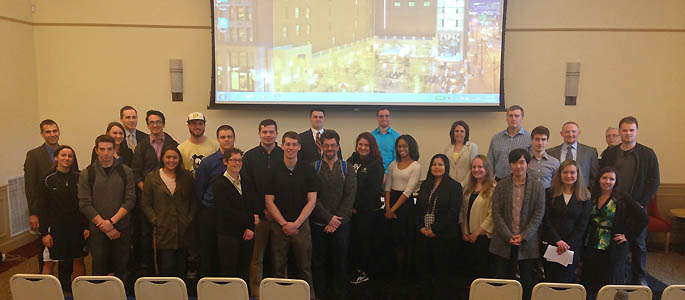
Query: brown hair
point(579, 188)
point(375, 152)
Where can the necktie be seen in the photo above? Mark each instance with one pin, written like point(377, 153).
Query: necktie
point(569, 153)
point(318, 142)
point(131, 142)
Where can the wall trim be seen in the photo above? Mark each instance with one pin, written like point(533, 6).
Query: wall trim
point(205, 27)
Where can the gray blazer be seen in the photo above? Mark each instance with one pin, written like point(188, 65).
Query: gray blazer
point(586, 159)
point(532, 211)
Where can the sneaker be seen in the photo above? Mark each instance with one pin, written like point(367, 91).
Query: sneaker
point(359, 277)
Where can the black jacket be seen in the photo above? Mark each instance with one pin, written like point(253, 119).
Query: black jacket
point(309, 153)
point(140, 137)
point(449, 197)
point(235, 213)
point(566, 222)
point(646, 181)
point(369, 182)
point(58, 202)
point(145, 158)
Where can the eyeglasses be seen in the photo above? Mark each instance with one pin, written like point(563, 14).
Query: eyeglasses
point(329, 145)
point(235, 160)
point(158, 122)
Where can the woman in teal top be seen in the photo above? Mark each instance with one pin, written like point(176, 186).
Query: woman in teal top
point(614, 216)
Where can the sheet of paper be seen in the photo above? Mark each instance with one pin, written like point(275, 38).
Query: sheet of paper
point(564, 259)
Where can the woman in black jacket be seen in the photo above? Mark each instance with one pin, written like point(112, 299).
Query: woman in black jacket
point(368, 166)
point(121, 152)
point(567, 213)
point(237, 218)
point(63, 228)
point(614, 216)
point(437, 214)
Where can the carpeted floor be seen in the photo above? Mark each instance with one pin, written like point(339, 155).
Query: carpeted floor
point(665, 269)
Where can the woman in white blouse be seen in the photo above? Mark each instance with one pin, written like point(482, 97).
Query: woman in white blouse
point(475, 217)
point(401, 183)
point(460, 152)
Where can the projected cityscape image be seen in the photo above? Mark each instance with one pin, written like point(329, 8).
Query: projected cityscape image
point(436, 47)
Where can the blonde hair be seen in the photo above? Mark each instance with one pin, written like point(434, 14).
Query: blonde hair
point(579, 188)
point(488, 184)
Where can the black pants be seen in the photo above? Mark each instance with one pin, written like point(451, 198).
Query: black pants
point(505, 268)
point(109, 255)
point(208, 242)
point(329, 261)
point(602, 267)
point(555, 272)
point(235, 255)
point(364, 224)
point(477, 259)
point(65, 268)
point(638, 257)
point(432, 256)
point(141, 238)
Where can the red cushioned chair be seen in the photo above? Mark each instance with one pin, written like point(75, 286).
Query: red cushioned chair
point(657, 223)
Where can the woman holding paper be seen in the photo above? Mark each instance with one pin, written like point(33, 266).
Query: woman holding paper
point(567, 213)
point(614, 216)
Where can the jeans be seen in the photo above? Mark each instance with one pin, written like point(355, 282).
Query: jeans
point(172, 262)
point(329, 261)
point(638, 250)
point(505, 268)
point(109, 255)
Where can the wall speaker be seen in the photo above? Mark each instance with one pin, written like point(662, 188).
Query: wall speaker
point(572, 79)
point(176, 71)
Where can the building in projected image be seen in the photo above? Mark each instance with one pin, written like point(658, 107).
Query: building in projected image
point(452, 29)
point(263, 45)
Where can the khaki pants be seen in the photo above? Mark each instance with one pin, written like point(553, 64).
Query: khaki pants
point(302, 245)
point(261, 239)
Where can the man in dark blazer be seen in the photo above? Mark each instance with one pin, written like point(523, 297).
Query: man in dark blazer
point(129, 118)
point(518, 205)
point(146, 159)
point(311, 147)
point(638, 175)
point(584, 155)
point(39, 161)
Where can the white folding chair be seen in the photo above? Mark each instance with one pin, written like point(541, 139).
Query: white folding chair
point(35, 286)
point(558, 291)
point(634, 292)
point(218, 288)
point(283, 289)
point(98, 288)
point(154, 288)
point(500, 289)
point(673, 292)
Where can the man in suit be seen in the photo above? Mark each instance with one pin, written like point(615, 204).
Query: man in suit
point(584, 155)
point(146, 159)
point(129, 118)
point(518, 205)
point(638, 175)
point(39, 161)
point(310, 141)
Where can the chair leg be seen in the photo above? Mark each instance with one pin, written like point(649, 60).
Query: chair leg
point(667, 246)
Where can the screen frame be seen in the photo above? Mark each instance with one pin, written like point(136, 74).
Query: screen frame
point(355, 107)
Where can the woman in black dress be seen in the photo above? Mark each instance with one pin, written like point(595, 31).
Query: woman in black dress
point(567, 213)
point(437, 213)
point(63, 228)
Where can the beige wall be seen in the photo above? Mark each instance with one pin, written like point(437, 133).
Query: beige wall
point(19, 113)
point(85, 73)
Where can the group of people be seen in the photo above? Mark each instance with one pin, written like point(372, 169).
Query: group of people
point(148, 205)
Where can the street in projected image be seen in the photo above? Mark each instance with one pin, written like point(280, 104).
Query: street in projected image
point(358, 46)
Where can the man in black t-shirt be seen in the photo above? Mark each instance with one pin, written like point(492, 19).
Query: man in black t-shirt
point(290, 198)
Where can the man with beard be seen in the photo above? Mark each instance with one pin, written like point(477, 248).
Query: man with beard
point(197, 146)
point(331, 219)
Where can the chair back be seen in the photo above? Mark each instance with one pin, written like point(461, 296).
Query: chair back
point(620, 292)
point(283, 289)
point(673, 292)
point(216, 288)
point(558, 291)
point(98, 288)
point(35, 286)
point(500, 289)
point(154, 288)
